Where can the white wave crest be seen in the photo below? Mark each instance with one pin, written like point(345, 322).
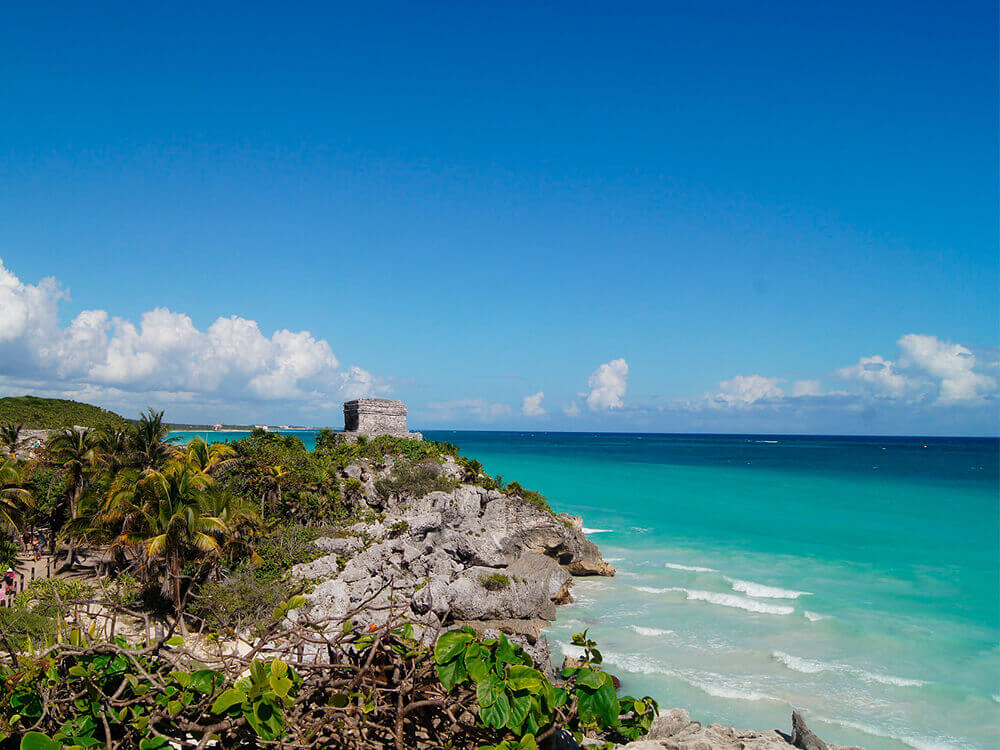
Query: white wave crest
point(813, 616)
point(918, 743)
point(650, 632)
point(585, 530)
point(725, 600)
point(739, 602)
point(813, 666)
point(613, 559)
point(708, 682)
point(761, 591)
point(692, 568)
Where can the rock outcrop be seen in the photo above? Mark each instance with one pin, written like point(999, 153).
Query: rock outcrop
point(469, 554)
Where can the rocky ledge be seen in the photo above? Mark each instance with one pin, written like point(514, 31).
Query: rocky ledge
point(462, 555)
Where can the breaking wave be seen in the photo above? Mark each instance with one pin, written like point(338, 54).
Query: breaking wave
point(724, 600)
point(585, 530)
point(765, 592)
point(692, 568)
point(917, 743)
point(813, 616)
point(650, 632)
point(814, 666)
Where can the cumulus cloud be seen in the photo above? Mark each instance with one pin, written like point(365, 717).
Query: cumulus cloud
point(876, 371)
point(806, 388)
point(951, 364)
point(607, 385)
point(745, 390)
point(572, 409)
point(164, 353)
point(531, 406)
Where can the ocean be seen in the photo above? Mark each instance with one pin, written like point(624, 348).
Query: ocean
point(855, 579)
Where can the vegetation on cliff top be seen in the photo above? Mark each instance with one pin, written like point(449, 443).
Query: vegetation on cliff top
point(37, 413)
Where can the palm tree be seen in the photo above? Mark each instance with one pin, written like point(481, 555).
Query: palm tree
point(274, 477)
point(205, 458)
point(10, 436)
point(152, 446)
point(243, 522)
point(117, 448)
point(75, 450)
point(14, 499)
point(177, 529)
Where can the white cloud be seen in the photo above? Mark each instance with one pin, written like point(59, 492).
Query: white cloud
point(951, 364)
point(877, 371)
point(572, 409)
point(164, 353)
point(806, 388)
point(744, 390)
point(531, 406)
point(607, 385)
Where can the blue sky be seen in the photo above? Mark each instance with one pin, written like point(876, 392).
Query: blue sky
point(470, 206)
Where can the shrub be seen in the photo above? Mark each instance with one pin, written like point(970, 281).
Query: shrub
point(8, 552)
point(494, 581)
point(415, 480)
point(239, 602)
point(398, 528)
point(283, 547)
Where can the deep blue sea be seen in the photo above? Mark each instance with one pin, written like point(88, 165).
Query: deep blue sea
point(856, 579)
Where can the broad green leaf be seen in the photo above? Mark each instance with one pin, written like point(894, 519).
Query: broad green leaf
point(228, 699)
point(606, 705)
point(152, 743)
point(505, 651)
point(519, 707)
point(174, 707)
point(175, 641)
point(450, 645)
point(281, 686)
point(590, 678)
point(78, 671)
point(38, 741)
point(206, 680)
point(339, 700)
point(278, 668)
point(520, 677)
point(489, 691)
point(182, 678)
point(451, 673)
point(497, 714)
point(527, 743)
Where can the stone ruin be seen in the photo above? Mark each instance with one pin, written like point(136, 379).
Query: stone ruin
point(372, 417)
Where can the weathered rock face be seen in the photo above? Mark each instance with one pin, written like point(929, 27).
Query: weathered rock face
point(467, 555)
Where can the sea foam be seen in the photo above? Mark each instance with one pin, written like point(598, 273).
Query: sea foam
point(724, 600)
point(650, 632)
point(918, 743)
point(765, 592)
point(585, 530)
point(814, 666)
point(692, 568)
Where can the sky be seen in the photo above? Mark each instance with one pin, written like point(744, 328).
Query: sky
point(662, 217)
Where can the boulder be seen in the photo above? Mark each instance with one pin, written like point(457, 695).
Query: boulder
point(668, 723)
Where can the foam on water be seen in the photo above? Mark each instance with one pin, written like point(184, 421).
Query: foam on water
point(724, 600)
point(761, 591)
point(813, 616)
point(650, 632)
point(916, 742)
point(691, 568)
point(813, 666)
point(585, 530)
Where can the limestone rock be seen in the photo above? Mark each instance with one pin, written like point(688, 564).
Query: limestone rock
point(668, 723)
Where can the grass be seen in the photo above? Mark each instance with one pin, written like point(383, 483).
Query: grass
point(494, 581)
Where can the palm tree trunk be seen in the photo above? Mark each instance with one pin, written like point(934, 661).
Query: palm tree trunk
point(175, 573)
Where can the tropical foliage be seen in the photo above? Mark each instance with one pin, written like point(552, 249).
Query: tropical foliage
point(54, 413)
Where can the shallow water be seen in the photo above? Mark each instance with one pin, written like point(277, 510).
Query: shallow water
point(857, 579)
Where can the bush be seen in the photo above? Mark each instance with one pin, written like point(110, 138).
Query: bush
point(8, 553)
point(415, 480)
point(494, 581)
point(48, 596)
point(283, 547)
point(239, 602)
point(18, 625)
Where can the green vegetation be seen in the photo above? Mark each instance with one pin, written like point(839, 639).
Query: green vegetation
point(494, 581)
point(37, 413)
point(204, 537)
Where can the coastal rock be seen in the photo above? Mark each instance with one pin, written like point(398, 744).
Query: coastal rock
point(668, 723)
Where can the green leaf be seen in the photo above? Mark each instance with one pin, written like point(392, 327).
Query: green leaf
point(606, 705)
point(182, 678)
point(175, 641)
point(281, 686)
point(497, 714)
point(590, 678)
point(450, 645)
point(152, 743)
point(451, 673)
point(205, 680)
point(78, 671)
point(278, 668)
point(505, 651)
point(527, 743)
point(339, 700)
point(489, 691)
point(519, 707)
point(228, 699)
point(174, 707)
point(38, 741)
point(520, 677)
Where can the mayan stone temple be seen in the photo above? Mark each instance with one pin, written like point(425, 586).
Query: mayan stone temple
point(372, 417)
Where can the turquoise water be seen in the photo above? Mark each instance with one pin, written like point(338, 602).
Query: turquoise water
point(855, 579)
